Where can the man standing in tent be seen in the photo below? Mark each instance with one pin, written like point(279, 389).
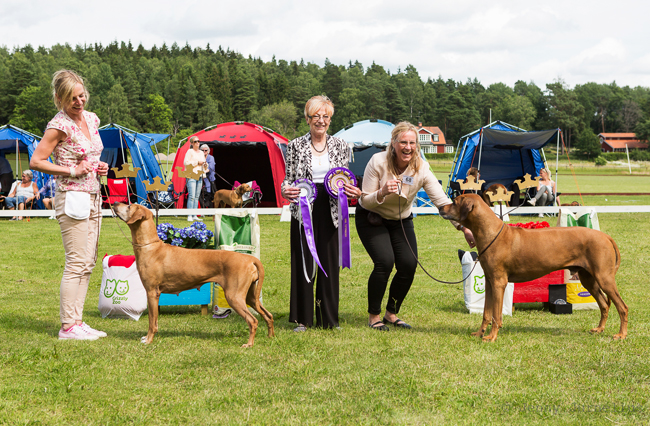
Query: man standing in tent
point(208, 180)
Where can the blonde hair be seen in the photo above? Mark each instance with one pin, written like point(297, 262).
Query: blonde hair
point(391, 156)
point(29, 173)
point(314, 104)
point(63, 84)
point(194, 139)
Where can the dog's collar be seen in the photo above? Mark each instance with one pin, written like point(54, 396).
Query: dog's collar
point(144, 245)
point(492, 242)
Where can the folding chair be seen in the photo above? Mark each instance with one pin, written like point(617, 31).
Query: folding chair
point(166, 199)
point(118, 191)
point(253, 197)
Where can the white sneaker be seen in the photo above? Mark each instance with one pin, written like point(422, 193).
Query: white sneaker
point(88, 329)
point(532, 202)
point(198, 218)
point(52, 217)
point(190, 218)
point(76, 333)
point(541, 215)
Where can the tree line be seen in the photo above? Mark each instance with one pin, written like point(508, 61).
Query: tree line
point(180, 90)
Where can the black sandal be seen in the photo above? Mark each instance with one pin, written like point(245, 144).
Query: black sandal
point(382, 327)
point(398, 323)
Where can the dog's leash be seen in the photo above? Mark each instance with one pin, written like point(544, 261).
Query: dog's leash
point(418, 260)
point(117, 220)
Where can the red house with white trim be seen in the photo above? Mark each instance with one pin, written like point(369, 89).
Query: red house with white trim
point(616, 142)
point(432, 140)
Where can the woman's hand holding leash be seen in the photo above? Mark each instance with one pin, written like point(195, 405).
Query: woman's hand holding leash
point(102, 168)
point(469, 237)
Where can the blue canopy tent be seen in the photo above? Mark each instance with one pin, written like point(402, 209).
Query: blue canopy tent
point(366, 138)
point(15, 140)
point(117, 139)
point(502, 153)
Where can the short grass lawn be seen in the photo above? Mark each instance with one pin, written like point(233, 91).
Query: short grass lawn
point(543, 369)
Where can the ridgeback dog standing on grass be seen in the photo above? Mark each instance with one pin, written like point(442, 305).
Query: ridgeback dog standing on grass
point(169, 269)
point(230, 198)
point(510, 254)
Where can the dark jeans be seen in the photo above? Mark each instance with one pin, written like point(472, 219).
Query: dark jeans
point(387, 246)
point(301, 305)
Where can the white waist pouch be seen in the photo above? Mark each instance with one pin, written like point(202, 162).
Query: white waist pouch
point(77, 204)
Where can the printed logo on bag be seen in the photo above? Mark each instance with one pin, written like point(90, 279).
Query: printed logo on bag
point(118, 288)
point(582, 292)
point(479, 284)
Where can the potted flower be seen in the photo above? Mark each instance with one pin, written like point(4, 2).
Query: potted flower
point(196, 235)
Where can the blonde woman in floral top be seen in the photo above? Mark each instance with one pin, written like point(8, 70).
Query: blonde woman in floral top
point(73, 141)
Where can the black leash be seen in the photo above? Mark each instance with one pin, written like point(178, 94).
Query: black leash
point(418, 260)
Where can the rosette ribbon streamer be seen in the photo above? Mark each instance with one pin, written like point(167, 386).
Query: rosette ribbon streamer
point(335, 181)
point(307, 196)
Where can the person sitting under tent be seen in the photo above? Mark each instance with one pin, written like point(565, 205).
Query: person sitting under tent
point(546, 190)
point(48, 192)
point(23, 193)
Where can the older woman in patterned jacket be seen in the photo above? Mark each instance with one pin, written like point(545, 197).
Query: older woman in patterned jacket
point(311, 157)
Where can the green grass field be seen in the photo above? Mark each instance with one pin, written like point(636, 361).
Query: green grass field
point(544, 369)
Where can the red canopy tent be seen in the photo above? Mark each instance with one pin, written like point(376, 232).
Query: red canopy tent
point(242, 152)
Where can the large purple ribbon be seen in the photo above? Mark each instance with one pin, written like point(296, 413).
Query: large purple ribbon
point(305, 212)
point(345, 254)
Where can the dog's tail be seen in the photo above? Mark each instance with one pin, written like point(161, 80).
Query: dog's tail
point(260, 277)
point(618, 253)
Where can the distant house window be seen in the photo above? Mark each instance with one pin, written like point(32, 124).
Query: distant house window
point(435, 137)
point(425, 138)
point(449, 149)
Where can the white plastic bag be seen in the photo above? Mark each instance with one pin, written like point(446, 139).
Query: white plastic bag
point(122, 294)
point(474, 287)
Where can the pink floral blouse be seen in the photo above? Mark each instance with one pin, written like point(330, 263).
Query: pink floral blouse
point(75, 148)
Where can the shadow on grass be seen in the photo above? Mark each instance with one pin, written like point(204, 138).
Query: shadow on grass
point(11, 322)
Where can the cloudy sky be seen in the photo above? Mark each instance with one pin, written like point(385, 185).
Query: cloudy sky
point(493, 41)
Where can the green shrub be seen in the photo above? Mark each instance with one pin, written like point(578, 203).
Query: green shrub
point(600, 161)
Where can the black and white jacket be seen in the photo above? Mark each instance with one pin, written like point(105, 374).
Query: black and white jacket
point(298, 166)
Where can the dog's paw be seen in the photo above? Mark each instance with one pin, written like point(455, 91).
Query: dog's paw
point(143, 340)
point(596, 330)
point(246, 345)
point(619, 336)
point(478, 333)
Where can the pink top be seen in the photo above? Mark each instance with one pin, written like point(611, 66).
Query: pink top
point(75, 148)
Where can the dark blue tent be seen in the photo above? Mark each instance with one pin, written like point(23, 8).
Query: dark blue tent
point(15, 140)
point(117, 139)
point(502, 153)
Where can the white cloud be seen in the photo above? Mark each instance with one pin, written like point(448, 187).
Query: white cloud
point(498, 41)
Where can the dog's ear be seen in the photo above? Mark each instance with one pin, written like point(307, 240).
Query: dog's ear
point(466, 206)
point(137, 215)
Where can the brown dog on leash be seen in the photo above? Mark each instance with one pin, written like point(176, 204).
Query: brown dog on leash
point(230, 198)
point(510, 254)
point(168, 269)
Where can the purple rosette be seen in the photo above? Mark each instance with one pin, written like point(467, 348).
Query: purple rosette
point(307, 189)
point(305, 199)
point(335, 181)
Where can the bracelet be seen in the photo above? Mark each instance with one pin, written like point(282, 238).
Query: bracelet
point(72, 173)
